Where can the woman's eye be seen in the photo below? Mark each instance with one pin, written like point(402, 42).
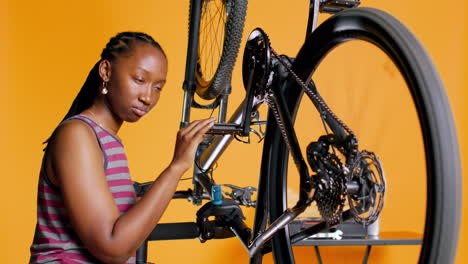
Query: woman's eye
point(158, 88)
point(139, 80)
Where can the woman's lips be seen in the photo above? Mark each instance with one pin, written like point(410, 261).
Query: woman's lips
point(138, 112)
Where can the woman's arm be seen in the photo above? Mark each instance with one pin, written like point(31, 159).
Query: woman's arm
point(77, 165)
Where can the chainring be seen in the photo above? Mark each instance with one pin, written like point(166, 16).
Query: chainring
point(257, 57)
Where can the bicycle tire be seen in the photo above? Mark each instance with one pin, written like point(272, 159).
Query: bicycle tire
point(433, 111)
point(211, 82)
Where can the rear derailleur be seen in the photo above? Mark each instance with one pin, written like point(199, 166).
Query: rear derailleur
point(359, 180)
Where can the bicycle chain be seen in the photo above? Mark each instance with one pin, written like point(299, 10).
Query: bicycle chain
point(311, 94)
point(330, 202)
point(269, 101)
point(331, 196)
point(331, 190)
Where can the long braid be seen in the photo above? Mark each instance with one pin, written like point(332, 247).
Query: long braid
point(121, 44)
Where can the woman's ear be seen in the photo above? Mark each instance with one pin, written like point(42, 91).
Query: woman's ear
point(105, 70)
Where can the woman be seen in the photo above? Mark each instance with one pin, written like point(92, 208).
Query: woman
point(87, 209)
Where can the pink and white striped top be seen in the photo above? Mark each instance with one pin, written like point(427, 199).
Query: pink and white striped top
point(55, 240)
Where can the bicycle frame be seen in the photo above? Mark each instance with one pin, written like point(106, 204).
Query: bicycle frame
point(211, 154)
point(238, 124)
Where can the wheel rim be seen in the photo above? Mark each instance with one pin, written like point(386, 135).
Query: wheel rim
point(212, 33)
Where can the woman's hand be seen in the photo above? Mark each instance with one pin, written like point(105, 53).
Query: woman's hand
point(188, 139)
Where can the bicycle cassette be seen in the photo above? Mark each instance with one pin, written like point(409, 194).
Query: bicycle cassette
point(330, 194)
point(257, 58)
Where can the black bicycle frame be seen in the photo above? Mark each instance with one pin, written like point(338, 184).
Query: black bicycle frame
point(258, 244)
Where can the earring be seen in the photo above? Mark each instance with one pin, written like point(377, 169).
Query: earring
point(104, 88)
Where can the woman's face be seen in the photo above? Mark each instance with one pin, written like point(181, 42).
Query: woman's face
point(136, 81)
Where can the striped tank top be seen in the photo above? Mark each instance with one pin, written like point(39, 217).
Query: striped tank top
point(55, 240)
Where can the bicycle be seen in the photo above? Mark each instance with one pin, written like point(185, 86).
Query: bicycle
point(346, 182)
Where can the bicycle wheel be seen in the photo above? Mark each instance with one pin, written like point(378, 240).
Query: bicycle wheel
point(221, 26)
point(399, 111)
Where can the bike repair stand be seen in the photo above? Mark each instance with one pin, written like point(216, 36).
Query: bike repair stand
point(227, 217)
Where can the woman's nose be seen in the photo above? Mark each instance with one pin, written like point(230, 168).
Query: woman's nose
point(145, 96)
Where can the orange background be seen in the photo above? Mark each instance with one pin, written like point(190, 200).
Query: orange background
point(48, 47)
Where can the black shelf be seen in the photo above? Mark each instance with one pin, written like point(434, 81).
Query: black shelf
point(384, 239)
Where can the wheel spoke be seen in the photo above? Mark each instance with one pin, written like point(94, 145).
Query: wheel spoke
point(212, 32)
point(214, 67)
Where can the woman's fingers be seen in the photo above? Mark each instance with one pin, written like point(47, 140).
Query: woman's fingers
point(188, 139)
point(189, 127)
point(194, 124)
point(202, 131)
point(203, 125)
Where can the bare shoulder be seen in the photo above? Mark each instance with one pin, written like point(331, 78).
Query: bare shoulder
point(73, 134)
point(73, 147)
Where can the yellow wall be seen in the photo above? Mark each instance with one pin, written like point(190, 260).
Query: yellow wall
point(48, 47)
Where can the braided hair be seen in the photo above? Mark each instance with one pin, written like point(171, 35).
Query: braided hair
point(122, 44)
